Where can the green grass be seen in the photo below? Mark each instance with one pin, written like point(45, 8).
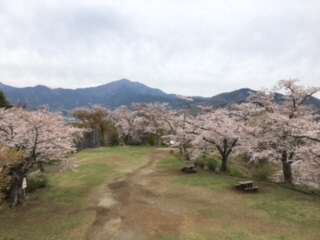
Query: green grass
point(276, 212)
point(287, 205)
point(170, 162)
point(52, 212)
point(62, 210)
point(70, 187)
point(211, 181)
point(132, 153)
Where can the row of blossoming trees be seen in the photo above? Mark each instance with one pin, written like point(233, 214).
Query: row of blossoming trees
point(268, 127)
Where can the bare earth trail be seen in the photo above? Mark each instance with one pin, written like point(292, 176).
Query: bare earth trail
point(143, 205)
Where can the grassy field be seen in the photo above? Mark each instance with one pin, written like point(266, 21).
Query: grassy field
point(63, 210)
point(274, 212)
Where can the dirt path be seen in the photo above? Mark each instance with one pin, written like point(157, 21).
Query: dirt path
point(141, 205)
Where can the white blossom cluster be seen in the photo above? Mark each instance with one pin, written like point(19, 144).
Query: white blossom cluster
point(41, 135)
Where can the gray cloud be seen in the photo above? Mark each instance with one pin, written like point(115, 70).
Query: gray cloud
point(187, 47)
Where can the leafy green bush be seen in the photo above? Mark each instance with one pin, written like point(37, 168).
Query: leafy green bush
point(212, 164)
point(199, 163)
point(37, 182)
point(242, 158)
point(5, 182)
point(152, 139)
point(262, 171)
point(235, 171)
point(2, 196)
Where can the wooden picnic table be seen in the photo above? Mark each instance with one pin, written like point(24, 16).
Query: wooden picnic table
point(188, 169)
point(246, 186)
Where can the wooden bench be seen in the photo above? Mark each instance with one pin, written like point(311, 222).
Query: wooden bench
point(188, 169)
point(237, 186)
point(246, 186)
point(251, 189)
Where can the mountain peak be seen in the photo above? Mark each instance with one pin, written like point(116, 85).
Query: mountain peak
point(41, 87)
point(127, 85)
point(113, 94)
point(121, 82)
point(124, 80)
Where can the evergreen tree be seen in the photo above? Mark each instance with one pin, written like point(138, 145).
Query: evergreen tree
point(3, 101)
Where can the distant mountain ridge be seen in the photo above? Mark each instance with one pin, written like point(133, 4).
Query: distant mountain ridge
point(114, 94)
point(224, 99)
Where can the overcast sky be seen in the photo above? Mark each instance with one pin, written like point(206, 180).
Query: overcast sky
point(189, 47)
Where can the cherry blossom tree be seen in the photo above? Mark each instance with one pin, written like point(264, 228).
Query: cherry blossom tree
point(153, 118)
point(182, 121)
point(129, 123)
point(40, 136)
point(286, 132)
point(219, 130)
point(171, 124)
point(159, 120)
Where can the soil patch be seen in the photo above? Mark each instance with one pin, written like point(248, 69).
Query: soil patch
point(131, 206)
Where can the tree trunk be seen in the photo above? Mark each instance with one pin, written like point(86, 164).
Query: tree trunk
point(126, 139)
point(16, 191)
point(184, 151)
point(224, 167)
point(286, 168)
point(158, 140)
point(40, 165)
point(180, 149)
point(187, 155)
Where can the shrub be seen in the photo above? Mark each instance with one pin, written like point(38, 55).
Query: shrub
point(212, 164)
point(5, 182)
point(242, 158)
point(199, 163)
point(152, 139)
point(235, 171)
point(36, 182)
point(262, 171)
